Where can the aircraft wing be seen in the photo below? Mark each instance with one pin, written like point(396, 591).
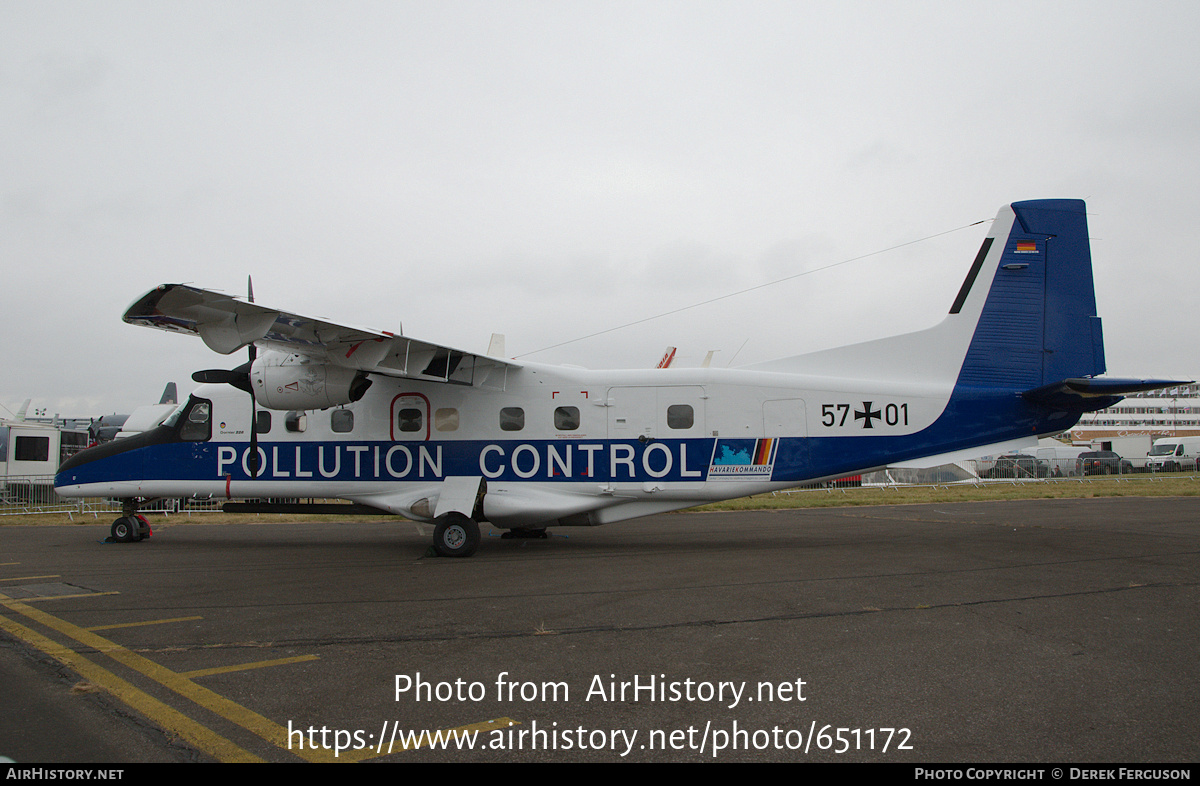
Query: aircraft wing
point(226, 324)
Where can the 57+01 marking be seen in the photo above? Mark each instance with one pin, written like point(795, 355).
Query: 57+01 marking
point(835, 415)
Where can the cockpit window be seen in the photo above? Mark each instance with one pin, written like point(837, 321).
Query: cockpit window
point(197, 421)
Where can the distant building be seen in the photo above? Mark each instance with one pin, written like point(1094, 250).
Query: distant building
point(1174, 412)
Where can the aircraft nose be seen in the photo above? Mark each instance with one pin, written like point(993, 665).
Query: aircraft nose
point(120, 459)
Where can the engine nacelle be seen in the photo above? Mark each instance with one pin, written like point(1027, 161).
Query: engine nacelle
point(297, 382)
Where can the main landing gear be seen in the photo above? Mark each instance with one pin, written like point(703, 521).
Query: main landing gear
point(455, 535)
point(131, 527)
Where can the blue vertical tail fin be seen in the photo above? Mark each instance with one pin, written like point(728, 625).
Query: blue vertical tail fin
point(1024, 322)
point(1038, 324)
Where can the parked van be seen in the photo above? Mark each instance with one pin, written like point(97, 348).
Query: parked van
point(1173, 454)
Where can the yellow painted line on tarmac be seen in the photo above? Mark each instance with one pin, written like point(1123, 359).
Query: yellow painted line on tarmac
point(176, 722)
point(31, 578)
point(171, 720)
point(230, 710)
point(262, 664)
point(142, 623)
point(5, 601)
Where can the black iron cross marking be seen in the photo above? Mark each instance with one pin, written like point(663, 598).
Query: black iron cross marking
point(867, 414)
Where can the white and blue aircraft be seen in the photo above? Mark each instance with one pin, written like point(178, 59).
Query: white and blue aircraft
point(446, 436)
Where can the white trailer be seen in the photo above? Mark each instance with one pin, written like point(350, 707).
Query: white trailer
point(1131, 448)
point(30, 453)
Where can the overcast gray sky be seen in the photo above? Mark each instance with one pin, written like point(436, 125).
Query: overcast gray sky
point(547, 170)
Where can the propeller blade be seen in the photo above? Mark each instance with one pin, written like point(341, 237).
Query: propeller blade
point(219, 376)
point(238, 377)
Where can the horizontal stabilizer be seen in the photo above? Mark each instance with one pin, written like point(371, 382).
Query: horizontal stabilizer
point(1091, 394)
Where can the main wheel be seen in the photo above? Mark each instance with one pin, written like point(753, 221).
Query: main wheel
point(455, 536)
point(123, 530)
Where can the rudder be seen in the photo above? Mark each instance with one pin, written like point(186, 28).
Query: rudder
point(1039, 322)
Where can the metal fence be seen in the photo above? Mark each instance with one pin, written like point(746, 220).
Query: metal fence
point(1004, 469)
point(1007, 469)
point(33, 494)
point(22, 495)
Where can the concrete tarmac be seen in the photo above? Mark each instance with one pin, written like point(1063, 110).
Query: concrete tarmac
point(1050, 631)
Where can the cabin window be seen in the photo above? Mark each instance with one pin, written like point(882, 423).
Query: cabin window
point(262, 422)
point(566, 418)
point(410, 419)
point(295, 421)
point(341, 421)
point(445, 419)
point(32, 449)
point(512, 419)
point(680, 416)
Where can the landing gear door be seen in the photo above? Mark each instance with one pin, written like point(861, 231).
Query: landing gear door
point(459, 495)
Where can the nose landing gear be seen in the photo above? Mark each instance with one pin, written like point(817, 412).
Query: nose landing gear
point(131, 527)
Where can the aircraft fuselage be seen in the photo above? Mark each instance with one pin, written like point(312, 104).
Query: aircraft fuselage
point(554, 445)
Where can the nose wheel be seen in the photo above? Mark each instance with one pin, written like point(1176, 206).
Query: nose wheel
point(132, 526)
point(130, 529)
point(455, 535)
